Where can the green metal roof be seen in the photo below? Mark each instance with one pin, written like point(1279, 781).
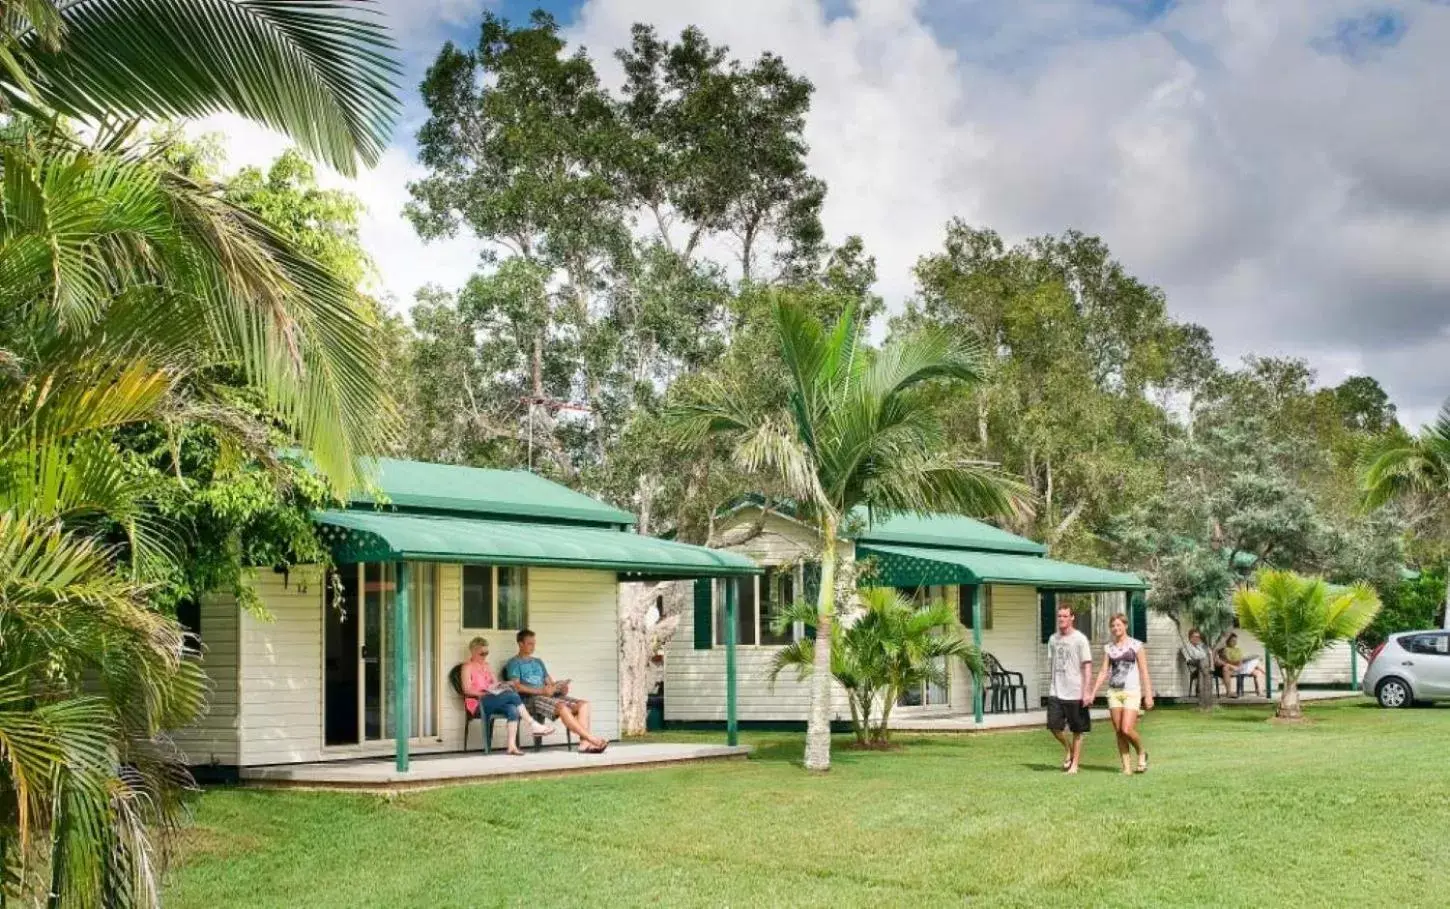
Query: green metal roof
point(911, 566)
point(375, 536)
point(409, 485)
point(943, 530)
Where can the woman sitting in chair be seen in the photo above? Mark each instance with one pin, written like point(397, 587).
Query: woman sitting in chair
point(484, 694)
point(1235, 665)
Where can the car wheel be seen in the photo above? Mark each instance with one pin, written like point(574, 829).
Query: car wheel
point(1393, 693)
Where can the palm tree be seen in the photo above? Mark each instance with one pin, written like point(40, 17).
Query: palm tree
point(1297, 617)
point(130, 294)
point(855, 428)
point(891, 648)
point(1408, 469)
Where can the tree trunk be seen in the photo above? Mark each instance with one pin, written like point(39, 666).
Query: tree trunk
point(818, 725)
point(1047, 498)
point(1206, 684)
point(639, 642)
point(982, 424)
point(646, 489)
point(860, 719)
point(1289, 708)
point(883, 732)
point(1445, 607)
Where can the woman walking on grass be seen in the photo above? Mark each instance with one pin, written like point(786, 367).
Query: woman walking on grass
point(1125, 669)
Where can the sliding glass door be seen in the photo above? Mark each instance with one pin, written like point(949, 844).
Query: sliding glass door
point(359, 652)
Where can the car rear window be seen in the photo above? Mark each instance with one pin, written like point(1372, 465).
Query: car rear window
point(1429, 644)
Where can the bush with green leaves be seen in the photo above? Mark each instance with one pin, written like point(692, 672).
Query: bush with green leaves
point(1297, 617)
point(891, 647)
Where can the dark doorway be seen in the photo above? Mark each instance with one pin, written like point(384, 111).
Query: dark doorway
point(341, 658)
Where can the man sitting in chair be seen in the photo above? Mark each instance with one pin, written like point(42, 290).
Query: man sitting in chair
point(546, 699)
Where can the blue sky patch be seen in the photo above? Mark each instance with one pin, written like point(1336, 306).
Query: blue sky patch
point(1362, 37)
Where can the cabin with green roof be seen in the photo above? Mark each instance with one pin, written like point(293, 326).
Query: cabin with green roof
point(351, 661)
point(1003, 587)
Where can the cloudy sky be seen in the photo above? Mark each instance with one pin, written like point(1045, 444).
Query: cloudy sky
point(1279, 167)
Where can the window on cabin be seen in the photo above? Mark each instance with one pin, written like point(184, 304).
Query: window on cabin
point(777, 591)
point(188, 615)
point(495, 598)
point(759, 600)
point(477, 597)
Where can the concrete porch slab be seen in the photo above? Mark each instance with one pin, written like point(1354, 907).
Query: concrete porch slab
point(444, 769)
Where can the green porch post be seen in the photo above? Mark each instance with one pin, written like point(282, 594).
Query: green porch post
point(1268, 676)
point(977, 642)
point(402, 668)
point(732, 725)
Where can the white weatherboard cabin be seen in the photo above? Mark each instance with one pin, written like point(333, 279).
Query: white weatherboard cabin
point(966, 563)
point(353, 662)
point(975, 567)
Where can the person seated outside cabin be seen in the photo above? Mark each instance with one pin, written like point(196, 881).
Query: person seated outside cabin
point(1234, 663)
point(1195, 654)
point(546, 699)
point(483, 694)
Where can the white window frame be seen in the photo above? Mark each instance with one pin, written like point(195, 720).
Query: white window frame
point(494, 586)
point(934, 593)
point(717, 607)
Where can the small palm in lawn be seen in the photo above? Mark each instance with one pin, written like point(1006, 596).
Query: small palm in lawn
point(891, 648)
point(1296, 618)
point(855, 428)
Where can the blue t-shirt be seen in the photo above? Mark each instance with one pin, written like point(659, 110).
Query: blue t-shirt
point(529, 670)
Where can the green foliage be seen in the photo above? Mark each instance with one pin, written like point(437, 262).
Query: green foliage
point(149, 325)
point(320, 73)
point(893, 646)
point(1412, 604)
point(1297, 617)
point(848, 427)
point(599, 203)
point(1074, 343)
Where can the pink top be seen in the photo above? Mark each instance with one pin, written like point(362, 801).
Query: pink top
point(479, 677)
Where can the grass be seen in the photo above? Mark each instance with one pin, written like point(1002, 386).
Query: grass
point(1351, 808)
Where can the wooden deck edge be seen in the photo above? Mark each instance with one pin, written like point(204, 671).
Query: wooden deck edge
point(396, 786)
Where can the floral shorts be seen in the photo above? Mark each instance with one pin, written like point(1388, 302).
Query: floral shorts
point(1121, 699)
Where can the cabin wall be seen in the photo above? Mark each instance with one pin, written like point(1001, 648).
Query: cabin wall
point(576, 617)
point(213, 739)
point(695, 679)
point(1013, 639)
point(574, 614)
point(281, 670)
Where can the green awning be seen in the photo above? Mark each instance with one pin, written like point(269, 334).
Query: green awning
point(374, 536)
point(913, 566)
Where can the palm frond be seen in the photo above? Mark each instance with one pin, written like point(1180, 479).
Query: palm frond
point(323, 73)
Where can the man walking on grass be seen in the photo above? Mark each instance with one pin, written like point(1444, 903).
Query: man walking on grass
point(1070, 696)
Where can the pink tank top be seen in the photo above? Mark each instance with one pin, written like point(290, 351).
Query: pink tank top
point(479, 677)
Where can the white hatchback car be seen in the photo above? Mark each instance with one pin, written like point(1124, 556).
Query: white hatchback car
point(1410, 666)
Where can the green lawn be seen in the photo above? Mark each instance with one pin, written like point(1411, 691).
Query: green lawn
point(1351, 809)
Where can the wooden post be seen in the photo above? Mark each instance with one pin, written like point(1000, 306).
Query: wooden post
point(732, 725)
point(402, 669)
point(977, 642)
point(1353, 664)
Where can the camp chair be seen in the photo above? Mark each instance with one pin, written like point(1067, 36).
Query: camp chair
point(1004, 684)
point(455, 679)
